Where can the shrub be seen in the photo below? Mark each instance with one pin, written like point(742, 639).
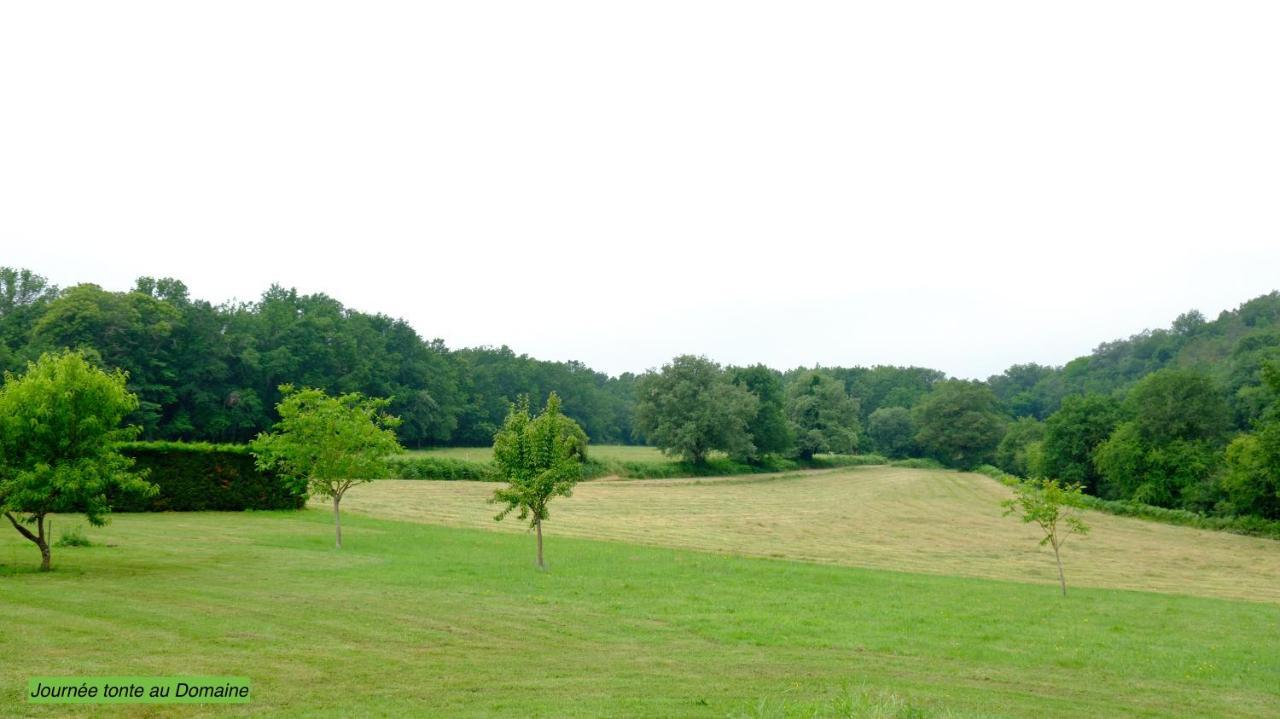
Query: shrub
point(442, 468)
point(917, 463)
point(73, 537)
point(196, 477)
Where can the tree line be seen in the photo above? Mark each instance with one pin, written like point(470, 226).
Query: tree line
point(1184, 417)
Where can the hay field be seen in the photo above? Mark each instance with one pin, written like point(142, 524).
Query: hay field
point(930, 521)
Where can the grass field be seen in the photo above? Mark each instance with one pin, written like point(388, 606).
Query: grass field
point(895, 518)
point(413, 618)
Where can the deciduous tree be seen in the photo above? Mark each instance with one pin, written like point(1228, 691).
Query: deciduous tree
point(690, 408)
point(540, 458)
point(330, 443)
point(1054, 507)
point(59, 425)
point(959, 423)
point(823, 417)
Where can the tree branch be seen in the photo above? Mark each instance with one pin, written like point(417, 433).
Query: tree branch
point(21, 529)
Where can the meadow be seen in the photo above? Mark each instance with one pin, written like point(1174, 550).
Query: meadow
point(732, 608)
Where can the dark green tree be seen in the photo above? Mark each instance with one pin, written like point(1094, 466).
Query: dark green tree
point(1015, 452)
point(690, 408)
point(769, 430)
point(959, 423)
point(1073, 433)
point(823, 418)
point(892, 431)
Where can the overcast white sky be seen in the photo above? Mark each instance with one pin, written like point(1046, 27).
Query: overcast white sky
point(956, 185)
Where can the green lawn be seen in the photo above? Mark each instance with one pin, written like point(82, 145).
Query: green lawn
point(421, 620)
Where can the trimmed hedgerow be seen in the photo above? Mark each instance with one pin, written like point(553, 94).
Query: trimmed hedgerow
point(1248, 525)
point(194, 477)
point(449, 468)
point(442, 468)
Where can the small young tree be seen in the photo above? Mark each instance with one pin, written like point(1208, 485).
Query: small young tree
point(1053, 506)
point(330, 443)
point(541, 458)
point(59, 425)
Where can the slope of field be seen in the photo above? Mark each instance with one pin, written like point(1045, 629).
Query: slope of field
point(915, 520)
point(418, 620)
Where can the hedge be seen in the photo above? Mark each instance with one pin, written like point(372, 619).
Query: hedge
point(195, 477)
point(1245, 524)
point(450, 468)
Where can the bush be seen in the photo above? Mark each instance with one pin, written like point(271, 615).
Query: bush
point(449, 468)
point(1252, 526)
point(917, 463)
point(442, 468)
point(196, 477)
point(73, 537)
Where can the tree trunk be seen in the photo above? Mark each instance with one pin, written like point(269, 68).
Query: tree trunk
point(537, 525)
point(39, 539)
point(1062, 578)
point(337, 522)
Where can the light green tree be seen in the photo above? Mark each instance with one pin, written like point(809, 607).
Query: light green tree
point(540, 458)
point(59, 425)
point(330, 443)
point(1054, 507)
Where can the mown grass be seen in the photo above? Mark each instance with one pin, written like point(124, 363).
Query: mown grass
point(419, 620)
point(937, 521)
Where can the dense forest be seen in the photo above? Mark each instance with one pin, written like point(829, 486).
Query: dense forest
point(1181, 417)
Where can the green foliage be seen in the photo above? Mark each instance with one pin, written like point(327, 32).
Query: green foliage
point(74, 537)
point(197, 477)
point(882, 386)
point(769, 429)
point(441, 468)
point(1017, 449)
point(1073, 433)
point(1173, 474)
point(329, 444)
point(59, 423)
point(1252, 478)
point(959, 423)
point(1052, 506)
point(822, 416)
point(917, 463)
point(1177, 404)
point(540, 458)
point(690, 408)
point(892, 431)
point(1028, 390)
point(1168, 452)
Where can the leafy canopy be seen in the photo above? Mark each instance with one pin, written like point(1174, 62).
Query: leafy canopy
point(59, 425)
point(959, 423)
point(540, 458)
point(1050, 505)
point(824, 417)
point(330, 443)
point(690, 408)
